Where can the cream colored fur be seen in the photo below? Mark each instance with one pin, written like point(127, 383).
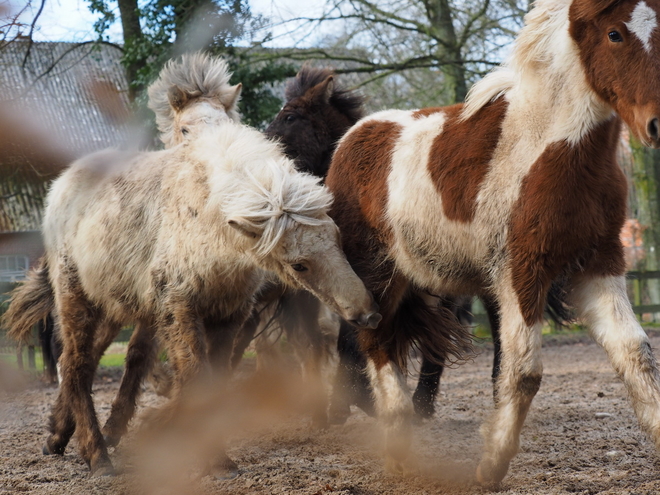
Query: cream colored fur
point(204, 81)
point(185, 198)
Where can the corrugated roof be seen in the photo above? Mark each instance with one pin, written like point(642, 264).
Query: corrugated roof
point(78, 95)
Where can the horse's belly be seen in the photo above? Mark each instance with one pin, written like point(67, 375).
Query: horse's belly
point(443, 260)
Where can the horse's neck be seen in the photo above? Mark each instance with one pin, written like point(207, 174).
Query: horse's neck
point(557, 106)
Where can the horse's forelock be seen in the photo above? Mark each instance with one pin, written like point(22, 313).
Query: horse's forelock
point(273, 197)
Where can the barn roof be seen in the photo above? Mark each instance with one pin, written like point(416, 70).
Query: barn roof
point(77, 94)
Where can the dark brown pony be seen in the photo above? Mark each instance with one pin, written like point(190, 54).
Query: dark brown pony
point(501, 196)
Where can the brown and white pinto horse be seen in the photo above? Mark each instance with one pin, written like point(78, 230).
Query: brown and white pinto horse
point(501, 196)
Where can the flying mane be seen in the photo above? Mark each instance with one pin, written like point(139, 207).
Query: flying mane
point(259, 186)
point(197, 75)
point(537, 48)
point(347, 102)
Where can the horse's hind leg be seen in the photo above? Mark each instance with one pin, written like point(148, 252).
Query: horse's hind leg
point(493, 312)
point(603, 303)
point(62, 419)
point(140, 357)
point(427, 388)
point(74, 408)
point(518, 381)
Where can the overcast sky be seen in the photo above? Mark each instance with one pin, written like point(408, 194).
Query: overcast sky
point(71, 20)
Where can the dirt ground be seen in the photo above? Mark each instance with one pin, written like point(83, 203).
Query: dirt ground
point(581, 436)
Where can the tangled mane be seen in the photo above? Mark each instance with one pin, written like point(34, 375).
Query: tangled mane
point(253, 183)
point(197, 75)
point(274, 198)
point(346, 101)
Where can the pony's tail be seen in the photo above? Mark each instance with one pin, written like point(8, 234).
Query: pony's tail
point(433, 328)
point(30, 303)
point(557, 307)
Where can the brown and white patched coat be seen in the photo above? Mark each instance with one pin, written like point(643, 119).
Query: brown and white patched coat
point(503, 195)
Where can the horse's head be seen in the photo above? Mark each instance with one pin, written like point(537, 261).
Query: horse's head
point(290, 233)
point(619, 46)
point(317, 113)
point(192, 112)
point(192, 93)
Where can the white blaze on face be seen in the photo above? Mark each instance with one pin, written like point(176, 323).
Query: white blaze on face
point(642, 23)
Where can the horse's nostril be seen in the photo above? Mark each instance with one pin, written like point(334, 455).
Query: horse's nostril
point(653, 129)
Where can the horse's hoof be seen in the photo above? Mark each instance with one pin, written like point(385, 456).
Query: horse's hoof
point(338, 415)
point(104, 470)
point(223, 468)
point(102, 467)
point(489, 475)
point(111, 440)
point(49, 449)
point(394, 466)
point(225, 475)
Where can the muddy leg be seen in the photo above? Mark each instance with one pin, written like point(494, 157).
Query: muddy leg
point(301, 322)
point(78, 323)
point(603, 303)
point(517, 383)
point(221, 335)
point(427, 389)
point(351, 384)
point(140, 357)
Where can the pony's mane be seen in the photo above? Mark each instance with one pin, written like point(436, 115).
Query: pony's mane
point(273, 205)
point(257, 185)
point(533, 47)
point(346, 101)
point(195, 74)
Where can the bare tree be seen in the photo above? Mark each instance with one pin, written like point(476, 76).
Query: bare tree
point(454, 42)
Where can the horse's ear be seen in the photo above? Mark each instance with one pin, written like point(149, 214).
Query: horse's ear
point(177, 98)
point(244, 228)
point(323, 90)
point(230, 100)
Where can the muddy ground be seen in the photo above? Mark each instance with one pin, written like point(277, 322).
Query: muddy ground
point(567, 446)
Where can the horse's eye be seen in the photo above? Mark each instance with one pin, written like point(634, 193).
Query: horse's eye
point(615, 37)
point(184, 130)
point(289, 118)
point(299, 267)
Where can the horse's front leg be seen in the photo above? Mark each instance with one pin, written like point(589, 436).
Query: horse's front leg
point(603, 304)
point(516, 384)
point(394, 407)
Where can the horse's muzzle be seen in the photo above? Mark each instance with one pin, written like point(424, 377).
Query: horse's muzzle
point(368, 321)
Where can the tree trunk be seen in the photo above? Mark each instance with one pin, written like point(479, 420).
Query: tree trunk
point(130, 23)
point(439, 14)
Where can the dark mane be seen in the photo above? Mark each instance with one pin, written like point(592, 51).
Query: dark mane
point(346, 101)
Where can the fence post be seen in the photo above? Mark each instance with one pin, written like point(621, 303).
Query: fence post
point(32, 362)
point(637, 295)
point(19, 356)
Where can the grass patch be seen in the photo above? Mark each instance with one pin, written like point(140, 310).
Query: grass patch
point(112, 360)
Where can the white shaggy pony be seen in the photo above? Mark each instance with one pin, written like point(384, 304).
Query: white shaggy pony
point(178, 241)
